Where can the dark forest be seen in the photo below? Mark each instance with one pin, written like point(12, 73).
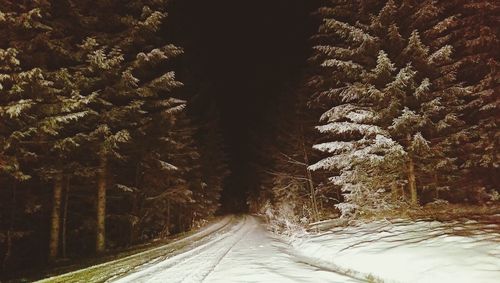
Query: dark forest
point(128, 122)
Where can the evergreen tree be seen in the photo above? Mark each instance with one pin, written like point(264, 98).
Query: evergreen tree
point(476, 40)
point(392, 98)
point(40, 105)
point(87, 94)
point(213, 164)
point(123, 70)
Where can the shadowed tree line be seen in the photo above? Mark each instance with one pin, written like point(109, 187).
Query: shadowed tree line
point(398, 108)
point(97, 148)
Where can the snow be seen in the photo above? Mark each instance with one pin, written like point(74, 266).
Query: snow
point(442, 55)
point(167, 166)
point(240, 249)
point(338, 112)
point(360, 116)
point(409, 252)
point(349, 127)
point(247, 252)
point(335, 147)
point(125, 265)
point(364, 150)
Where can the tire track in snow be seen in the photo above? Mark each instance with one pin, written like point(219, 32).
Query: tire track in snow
point(126, 264)
point(194, 259)
point(204, 259)
point(219, 259)
point(171, 253)
point(244, 252)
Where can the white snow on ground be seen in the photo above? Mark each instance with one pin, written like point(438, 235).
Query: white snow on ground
point(240, 249)
point(125, 265)
point(246, 253)
point(422, 251)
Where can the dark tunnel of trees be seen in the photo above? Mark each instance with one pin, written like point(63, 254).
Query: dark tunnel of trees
point(243, 58)
point(123, 122)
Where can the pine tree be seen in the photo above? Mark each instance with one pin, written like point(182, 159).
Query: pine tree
point(394, 98)
point(120, 67)
point(213, 164)
point(40, 105)
point(163, 184)
point(476, 42)
point(106, 86)
point(89, 100)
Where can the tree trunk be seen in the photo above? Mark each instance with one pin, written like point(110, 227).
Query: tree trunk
point(55, 219)
point(394, 192)
point(65, 217)
point(312, 190)
point(412, 183)
point(101, 204)
point(168, 217)
point(136, 207)
point(314, 202)
point(8, 240)
point(436, 188)
point(179, 222)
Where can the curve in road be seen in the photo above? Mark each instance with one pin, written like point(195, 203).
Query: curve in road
point(246, 252)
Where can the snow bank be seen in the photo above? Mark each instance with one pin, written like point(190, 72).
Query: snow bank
point(423, 251)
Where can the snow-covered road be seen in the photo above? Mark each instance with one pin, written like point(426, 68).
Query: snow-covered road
point(242, 252)
point(240, 249)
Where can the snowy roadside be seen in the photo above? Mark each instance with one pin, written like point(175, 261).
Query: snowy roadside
point(116, 268)
point(402, 251)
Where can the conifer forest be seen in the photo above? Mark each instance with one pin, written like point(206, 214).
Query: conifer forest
point(136, 132)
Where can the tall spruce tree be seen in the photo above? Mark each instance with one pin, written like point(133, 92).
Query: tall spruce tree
point(41, 105)
point(121, 56)
point(394, 98)
point(213, 164)
point(87, 98)
point(475, 37)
